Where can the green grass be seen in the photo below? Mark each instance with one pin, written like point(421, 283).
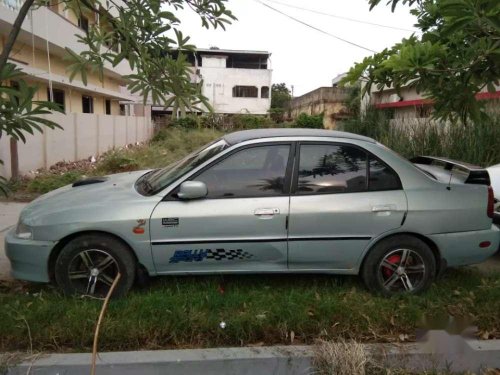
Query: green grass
point(166, 147)
point(186, 312)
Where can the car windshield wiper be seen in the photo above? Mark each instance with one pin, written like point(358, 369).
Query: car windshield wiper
point(144, 183)
point(146, 186)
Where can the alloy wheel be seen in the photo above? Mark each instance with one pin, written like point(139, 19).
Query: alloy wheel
point(402, 270)
point(92, 272)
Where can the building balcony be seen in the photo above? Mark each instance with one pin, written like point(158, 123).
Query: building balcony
point(43, 24)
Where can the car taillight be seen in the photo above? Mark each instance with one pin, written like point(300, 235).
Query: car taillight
point(491, 203)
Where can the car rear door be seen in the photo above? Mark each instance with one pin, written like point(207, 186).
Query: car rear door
point(342, 197)
point(239, 226)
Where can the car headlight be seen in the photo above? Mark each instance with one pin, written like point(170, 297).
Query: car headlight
point(23, 231)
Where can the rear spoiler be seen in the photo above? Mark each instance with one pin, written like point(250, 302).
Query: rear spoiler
point(476, 174)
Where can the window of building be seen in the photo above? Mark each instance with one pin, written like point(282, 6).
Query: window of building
point(83, 23)
point(107, 105)
point(245, 92)
point(57, 97)
point(252, 172)
point(264, 92)
point(329, 168)
point(87, 104)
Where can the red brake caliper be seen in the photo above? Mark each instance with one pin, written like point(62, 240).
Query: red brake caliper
point(393, 259)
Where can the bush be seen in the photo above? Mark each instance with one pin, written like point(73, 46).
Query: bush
point(475, 143)
point(250, 122)
point(187, 122)
point(309, 121)
point(44, 183)
point(277, 114)
point(117, 161)
point(212, 121)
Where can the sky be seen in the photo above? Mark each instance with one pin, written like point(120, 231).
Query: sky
point(301, 56)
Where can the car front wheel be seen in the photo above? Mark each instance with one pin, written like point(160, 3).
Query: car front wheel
point(88, 265)
point(397, 265)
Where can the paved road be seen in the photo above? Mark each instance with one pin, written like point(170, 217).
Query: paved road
point(9, 213)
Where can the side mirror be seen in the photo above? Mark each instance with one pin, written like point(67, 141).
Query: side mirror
point(192, 190)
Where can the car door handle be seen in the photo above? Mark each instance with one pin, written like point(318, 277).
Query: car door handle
point(384, 208)
point(266, 211)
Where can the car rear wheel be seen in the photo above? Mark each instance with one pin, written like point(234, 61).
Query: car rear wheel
point(88, 265)
point(398, 265)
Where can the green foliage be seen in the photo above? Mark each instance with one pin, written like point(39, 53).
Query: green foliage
point(309, 121)
point(277, 114)
point(19, 113)
point(148, 37)
point(187, 122)
point(116, 162)
point(145, 34)
point(280, 101)
point(454, 58)
point(181, 312)
point(475, 142)
point(280, 96)
point(169, 145)
point(48, 182)
point(250, 122)
point(212, 121)
point(353, 103)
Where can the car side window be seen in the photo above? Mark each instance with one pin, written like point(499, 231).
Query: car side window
point(331, 168)
point(382, 177)
point(252, 172)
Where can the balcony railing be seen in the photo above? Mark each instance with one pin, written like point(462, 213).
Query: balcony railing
point(14, 5)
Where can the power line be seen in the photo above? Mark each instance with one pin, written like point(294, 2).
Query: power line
point(314, 27)
point(339, 17)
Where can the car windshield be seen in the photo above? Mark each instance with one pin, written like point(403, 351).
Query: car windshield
point(153, 182)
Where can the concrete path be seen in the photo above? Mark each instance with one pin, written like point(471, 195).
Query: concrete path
point(9, 213)
point(438, 350)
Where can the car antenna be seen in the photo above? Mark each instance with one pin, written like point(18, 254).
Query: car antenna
point(449, 182)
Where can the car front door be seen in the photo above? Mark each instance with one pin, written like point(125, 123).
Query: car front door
point(342, 197)
point(239, 226)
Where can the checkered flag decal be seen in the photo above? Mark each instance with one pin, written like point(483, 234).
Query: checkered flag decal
point(220, 254)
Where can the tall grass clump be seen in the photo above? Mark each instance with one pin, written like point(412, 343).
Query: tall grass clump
point(340, 357)
point(474, 142)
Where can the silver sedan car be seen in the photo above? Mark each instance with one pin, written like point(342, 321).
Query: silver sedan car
point(260, 201)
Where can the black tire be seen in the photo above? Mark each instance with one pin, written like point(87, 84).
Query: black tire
point(413, 277)
point(106, 251)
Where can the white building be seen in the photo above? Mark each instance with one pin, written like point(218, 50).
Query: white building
point(234, 81)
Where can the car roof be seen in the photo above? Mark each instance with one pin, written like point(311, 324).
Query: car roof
point(246, 135)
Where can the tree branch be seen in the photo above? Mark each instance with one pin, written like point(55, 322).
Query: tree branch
point(16, 28)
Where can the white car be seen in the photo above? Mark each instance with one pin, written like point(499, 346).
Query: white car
point(494, 172)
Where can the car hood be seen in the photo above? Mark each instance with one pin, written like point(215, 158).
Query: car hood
point(112, 192)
